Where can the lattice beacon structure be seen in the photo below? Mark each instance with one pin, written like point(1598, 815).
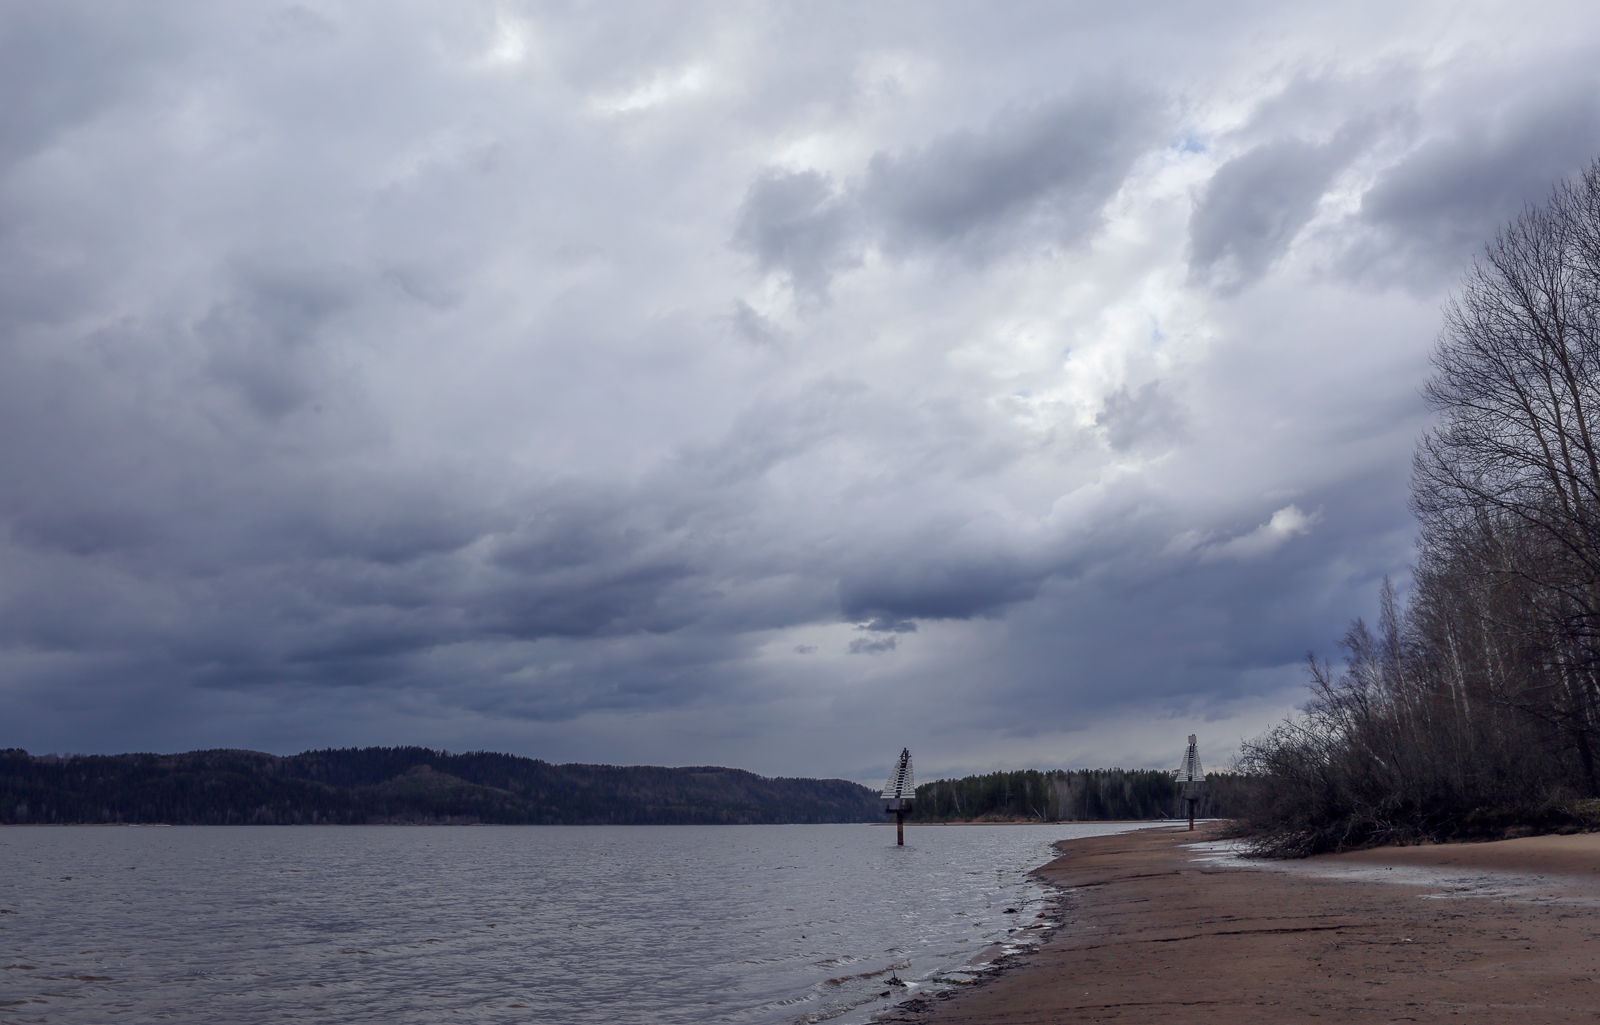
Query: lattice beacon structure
point(898, 791)
point(1191, 778)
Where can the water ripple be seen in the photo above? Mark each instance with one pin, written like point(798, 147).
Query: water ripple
point(565, 925)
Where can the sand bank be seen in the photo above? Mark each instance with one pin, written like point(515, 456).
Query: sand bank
point(1158, 932)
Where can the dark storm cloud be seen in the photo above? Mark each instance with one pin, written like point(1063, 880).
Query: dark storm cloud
point(797, 223)
point(264, 343)
point(569, 585)
point(1090, 638)
point(1044, 173)
point(1039, 175)
point(872, 645)
point(944, 579)
point(1146, 417)
point(66, 61)
point(1430, 213)
point(1256, 203)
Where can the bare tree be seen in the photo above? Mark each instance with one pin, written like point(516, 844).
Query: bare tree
point(1474, 709)
point(1509, 478)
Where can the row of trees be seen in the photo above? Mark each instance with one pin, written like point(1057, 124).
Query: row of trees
point(1475, 708)
point(1083, 795)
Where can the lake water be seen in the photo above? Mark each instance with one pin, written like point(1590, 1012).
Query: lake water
point(548, 924)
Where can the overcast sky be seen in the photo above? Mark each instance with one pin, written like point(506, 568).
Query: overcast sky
point(769, 385)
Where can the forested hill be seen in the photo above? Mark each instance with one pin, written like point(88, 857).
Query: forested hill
point(404, 785)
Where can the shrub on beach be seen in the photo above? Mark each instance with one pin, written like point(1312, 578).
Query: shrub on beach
point(1389, 752)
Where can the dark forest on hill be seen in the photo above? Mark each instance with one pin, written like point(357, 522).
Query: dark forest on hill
point(405, 785)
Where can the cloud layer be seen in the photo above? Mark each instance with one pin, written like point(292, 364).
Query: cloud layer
point(727, 385)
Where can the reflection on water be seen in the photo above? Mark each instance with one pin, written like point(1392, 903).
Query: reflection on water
point(549, 924)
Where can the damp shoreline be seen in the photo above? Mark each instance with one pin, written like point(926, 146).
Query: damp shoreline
point(1162, 921)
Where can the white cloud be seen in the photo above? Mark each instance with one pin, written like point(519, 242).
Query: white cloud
point(1286, 523)
point(659, 88)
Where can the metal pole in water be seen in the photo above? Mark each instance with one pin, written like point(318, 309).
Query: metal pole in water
point(899, 791)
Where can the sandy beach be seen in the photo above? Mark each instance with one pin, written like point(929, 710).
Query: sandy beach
point(1157, 931)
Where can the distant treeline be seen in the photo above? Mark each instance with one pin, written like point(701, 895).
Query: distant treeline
point(1083, 795)
point(404, 785)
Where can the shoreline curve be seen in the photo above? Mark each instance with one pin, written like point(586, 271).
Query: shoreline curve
point(1153, 929)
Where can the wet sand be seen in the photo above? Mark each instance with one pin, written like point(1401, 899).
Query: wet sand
point(1156, 932)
